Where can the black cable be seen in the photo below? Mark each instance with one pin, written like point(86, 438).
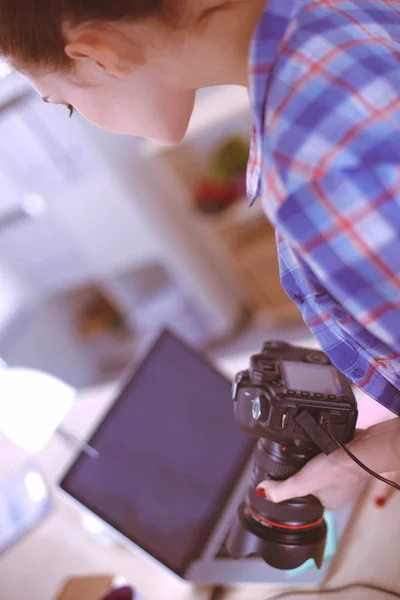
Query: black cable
point(335, 590)
point(358, 462)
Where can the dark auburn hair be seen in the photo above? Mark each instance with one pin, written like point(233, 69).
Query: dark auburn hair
point(31, 31)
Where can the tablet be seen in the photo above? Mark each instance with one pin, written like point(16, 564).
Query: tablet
point(170, 454)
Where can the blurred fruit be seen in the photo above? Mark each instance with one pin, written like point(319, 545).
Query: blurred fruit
point(213, 197)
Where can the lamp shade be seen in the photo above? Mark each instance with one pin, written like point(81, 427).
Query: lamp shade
point(32, 406)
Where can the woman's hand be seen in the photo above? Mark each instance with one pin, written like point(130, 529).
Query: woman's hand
point(334, 479)
point(328, 478)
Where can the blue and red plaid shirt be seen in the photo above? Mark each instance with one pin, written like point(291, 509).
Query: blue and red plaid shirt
point(325, 160)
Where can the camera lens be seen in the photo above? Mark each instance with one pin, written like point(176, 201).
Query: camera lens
point(282, 549)
point(287, 534)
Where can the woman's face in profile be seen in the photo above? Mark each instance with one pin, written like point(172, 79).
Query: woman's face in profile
point(145, 103)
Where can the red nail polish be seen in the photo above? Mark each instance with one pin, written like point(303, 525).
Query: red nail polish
point(261, 492)
point(380, 501)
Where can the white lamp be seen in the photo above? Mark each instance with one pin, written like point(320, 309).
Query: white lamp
point(33, 404)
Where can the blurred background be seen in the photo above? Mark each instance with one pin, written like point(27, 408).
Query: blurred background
point(104, 238)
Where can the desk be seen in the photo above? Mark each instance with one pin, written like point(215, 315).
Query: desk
point(61, 547)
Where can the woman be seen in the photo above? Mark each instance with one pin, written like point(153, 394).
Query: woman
point(323, 78)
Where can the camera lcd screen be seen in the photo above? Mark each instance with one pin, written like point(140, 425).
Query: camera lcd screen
point(170, 454)
point(321, 379)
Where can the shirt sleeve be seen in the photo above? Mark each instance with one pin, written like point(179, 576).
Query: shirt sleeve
point(345, 225)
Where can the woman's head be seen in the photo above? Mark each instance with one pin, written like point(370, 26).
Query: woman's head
point(130, 66)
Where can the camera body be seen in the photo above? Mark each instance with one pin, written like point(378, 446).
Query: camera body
point(284, 380)
point(297, 404)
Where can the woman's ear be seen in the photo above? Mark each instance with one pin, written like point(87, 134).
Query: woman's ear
point(109, 51)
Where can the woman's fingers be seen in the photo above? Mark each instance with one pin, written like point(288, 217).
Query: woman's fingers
point(278, 491)
point(324, 477)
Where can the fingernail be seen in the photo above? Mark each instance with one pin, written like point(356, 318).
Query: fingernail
point(261, 492)
point(380, 501)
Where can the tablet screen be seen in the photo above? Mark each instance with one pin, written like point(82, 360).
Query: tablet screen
point(170, 454)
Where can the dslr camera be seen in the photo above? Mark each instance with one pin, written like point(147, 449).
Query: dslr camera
point(297, 404)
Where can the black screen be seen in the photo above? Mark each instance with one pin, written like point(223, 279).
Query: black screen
point(170, 453)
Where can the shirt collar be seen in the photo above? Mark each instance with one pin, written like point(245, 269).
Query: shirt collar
point(272, 29)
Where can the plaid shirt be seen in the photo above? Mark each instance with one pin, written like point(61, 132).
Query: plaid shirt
point(325, 160)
